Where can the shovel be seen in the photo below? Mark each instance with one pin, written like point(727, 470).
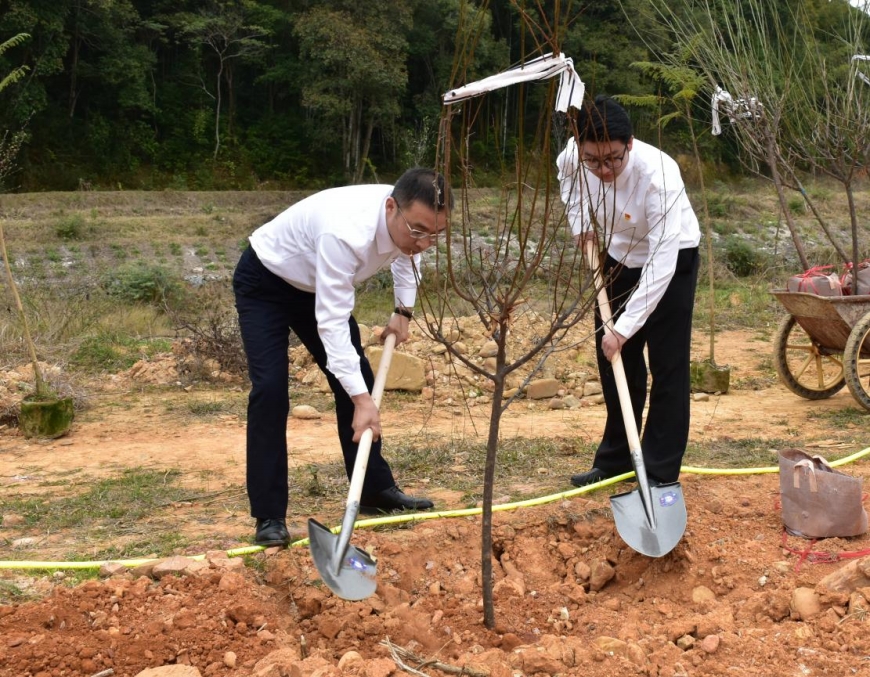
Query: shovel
point(348, 571)
point(651, 520)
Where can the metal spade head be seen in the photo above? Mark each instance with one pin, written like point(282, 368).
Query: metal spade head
point(654, 532)
point(348, 571)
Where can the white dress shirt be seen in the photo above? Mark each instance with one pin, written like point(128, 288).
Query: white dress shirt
point(645, 215)
point(326, 244)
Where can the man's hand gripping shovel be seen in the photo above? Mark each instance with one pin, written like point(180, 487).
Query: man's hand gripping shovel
point(651, 520)
point(348, 571)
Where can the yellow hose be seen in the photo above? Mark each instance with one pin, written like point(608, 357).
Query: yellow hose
point(424, 516)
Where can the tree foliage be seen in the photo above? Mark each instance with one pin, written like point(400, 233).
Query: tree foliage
point(233, 93)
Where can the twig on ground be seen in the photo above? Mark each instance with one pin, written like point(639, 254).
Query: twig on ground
point(400, 654)
point(105, 673)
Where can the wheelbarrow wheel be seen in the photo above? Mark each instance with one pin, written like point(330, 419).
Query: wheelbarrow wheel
point(804, 367)
point(856, 358)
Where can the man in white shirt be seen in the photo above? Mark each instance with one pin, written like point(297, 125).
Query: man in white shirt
point(298, 275)
point(630, 197)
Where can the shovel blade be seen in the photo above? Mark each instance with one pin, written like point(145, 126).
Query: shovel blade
point(633, 525)
point(351, 574)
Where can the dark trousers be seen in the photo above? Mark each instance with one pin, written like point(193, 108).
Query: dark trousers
point(667, 334)
point(269, 308)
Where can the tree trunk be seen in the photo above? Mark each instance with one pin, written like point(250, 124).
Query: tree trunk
point(856, 252)
point(773, 163)
point(708, 230)
point(364, 154)
point(217, 111)
point(231, 101)
point(41, 389)
point(488, 482)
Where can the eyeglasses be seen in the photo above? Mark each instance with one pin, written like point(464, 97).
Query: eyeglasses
point(413, 232)
point(611, 163)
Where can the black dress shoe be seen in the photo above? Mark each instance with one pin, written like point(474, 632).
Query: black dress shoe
point(589, 477)
point(392, 500)
point(272, 532)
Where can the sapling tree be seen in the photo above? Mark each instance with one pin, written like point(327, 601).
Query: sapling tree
point(788, 93)
point(525, 263)
point(682, 85)
point(8, 151)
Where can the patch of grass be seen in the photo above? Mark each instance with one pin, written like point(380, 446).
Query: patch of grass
point(797, 205)
point(114, 352)
point(215, 407)
point(525, 467)
point(130, 497)
point(142, 283)
point(160, 543)
point(71, 227)
point(725, 452)
point(842, 417)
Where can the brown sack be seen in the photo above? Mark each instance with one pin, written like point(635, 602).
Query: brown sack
point(817, 500)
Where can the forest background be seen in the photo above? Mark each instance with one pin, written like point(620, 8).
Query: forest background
point(280, 94)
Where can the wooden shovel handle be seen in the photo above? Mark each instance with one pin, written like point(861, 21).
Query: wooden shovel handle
point(365, 443)
point(618, 368)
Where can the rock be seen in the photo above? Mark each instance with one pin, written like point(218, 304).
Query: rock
point(171, 671)
point(12, 520)
point(534, 660)
point(591, 388)
point(542, 389)
point(854, 575)
point(557, 403)
point(349, 659)
point(611, 645)
point(702, 594)
point(571, 402)
point(305, 412)
point(110, 569)
point(710, 644)
point(276, 663)
point(686, 642)
point(230, 659)
point(858, 603)
point(805, 603)
point(171, 566)
point(407, 372)
point(488, 349)
point(602, 574)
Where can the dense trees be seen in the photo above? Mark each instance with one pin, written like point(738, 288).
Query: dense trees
point(234, 93)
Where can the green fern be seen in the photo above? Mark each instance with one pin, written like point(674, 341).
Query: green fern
point(19, 72)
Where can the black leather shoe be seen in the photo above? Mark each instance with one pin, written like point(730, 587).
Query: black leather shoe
point(392, 500)
point(589, 477)
point(272, 532)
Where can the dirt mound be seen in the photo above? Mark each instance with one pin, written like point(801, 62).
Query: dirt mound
point(571, 599)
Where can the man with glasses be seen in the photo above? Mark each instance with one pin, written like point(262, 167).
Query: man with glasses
point(629, 198)
point(299, 275)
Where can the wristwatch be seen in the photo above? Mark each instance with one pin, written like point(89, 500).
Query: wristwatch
point(404, 312)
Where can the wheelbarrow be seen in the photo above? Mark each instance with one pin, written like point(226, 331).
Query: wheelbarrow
point(823, 345)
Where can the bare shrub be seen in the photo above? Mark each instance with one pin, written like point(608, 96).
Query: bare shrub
point(212, 346)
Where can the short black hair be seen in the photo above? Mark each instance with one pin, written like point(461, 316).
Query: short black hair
point(425, 186)
point(603, 120)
